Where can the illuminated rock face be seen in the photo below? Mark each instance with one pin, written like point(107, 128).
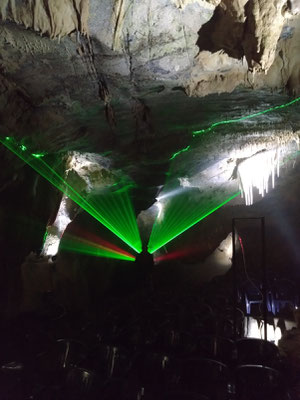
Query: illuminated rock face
point(56, 230)
point(86, 173)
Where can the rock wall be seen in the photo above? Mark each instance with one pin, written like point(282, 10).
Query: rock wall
point(202, 46)
point(55, 18)
point(263, 25)
point(249, 28)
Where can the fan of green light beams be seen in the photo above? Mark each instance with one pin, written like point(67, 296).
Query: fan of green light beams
point(180, 213)
point(83, 246)
point(113, 210)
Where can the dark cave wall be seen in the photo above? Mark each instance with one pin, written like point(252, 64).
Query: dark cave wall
point(26, 202)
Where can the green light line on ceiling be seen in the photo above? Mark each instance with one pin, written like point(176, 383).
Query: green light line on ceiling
point(106, 212)
point(179, 214)
point(231, 121)
point(179, 152)
point(23, 147)
point(82, 246)
point(38, 155)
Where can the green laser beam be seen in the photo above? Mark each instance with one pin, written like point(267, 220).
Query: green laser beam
point(169, 228)
point(81, 246)
point(38, 155)
point(104, 215)
point(179, 152)
point(180, 215)
point(231, 121)
point(93, 251)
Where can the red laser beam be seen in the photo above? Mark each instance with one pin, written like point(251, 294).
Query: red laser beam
point(177, 254)
point(95, 241)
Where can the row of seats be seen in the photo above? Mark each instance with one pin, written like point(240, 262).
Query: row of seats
point(219, 368)
point(151, 345)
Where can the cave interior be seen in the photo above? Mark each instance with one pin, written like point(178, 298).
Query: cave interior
point(150, 160)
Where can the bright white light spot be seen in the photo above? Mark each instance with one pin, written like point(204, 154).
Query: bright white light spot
point(184, 182)
point(170, 193)
point(255, 172)
point(160, 208)
point(252, 327)
point(51, 246)
point(277, 335)
point(255, 329)
point(226, 246)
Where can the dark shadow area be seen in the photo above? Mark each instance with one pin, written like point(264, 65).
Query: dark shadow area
point(224, 31)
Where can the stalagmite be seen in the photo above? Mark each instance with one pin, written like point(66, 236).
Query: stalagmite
point(56, 230)
point(86, 173)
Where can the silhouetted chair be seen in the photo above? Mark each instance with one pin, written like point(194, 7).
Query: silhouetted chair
point(257, 352)
point(173, 342)
point(283, 295)
point(219, 301)
point(69, 352)
point(91, 333)
point(203, 311)
point(12, 381)
point(217, 348)
point(152, 372)
point(199, 375)
point(203, 324)
point(155, 318)
point(116, 322)
point(184, 396)
point(257, 382)
point(225, 323)
point(110, 361)
point(63, 354)
point(130, 337)
point(120, 389)
point(253, 295)
point(191, 302)
point(81, 384)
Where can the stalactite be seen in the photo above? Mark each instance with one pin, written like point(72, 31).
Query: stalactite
point(55, 18)
point(255, 172)
point(118, 19)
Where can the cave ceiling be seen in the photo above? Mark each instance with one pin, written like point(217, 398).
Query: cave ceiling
point(132, 80)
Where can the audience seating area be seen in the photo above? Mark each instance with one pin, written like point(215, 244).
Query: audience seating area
point(149, 345)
